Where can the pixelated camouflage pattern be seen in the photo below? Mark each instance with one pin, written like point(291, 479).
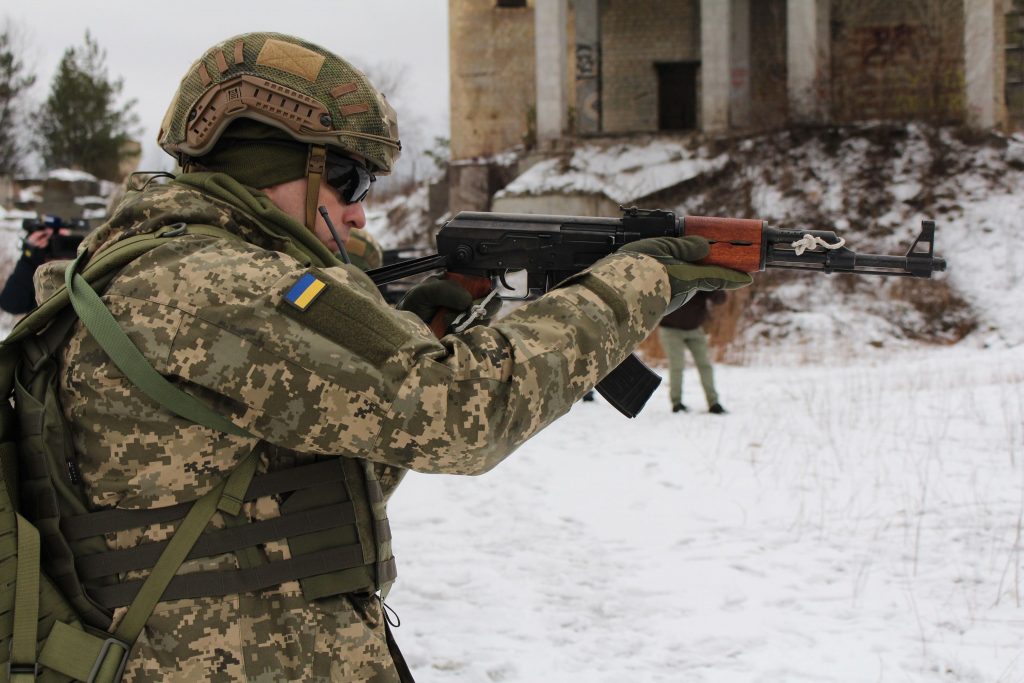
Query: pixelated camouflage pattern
point(362, 120)
point(207, 313)
point(364, 251)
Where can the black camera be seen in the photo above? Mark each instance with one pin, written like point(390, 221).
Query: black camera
point(64, 241)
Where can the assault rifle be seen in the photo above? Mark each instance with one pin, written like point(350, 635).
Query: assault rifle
point(480, 249)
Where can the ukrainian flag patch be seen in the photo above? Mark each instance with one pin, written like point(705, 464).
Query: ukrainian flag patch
point(305, 291)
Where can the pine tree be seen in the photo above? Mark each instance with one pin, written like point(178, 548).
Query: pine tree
point(80, 125)
point(13, 82)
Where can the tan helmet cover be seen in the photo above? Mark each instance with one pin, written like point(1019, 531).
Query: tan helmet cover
point(310, 93)
point(363, 250)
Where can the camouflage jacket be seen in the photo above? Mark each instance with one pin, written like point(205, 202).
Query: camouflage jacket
point(347, 376)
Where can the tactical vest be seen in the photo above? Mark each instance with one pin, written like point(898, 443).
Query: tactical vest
point(332, 515)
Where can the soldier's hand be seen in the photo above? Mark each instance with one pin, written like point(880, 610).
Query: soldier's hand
point(34, 246)
point(686, 278)
point(452, 300)
point(427, 298)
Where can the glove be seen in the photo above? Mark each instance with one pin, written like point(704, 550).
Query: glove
point(685, 277)
point(453, 299)
point(427, 298)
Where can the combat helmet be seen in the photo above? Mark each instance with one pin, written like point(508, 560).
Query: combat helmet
point(313, 95)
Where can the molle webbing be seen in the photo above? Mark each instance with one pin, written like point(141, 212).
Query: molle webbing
point(97, 569)
point(111, 521)
point(215, 584)
point(215, 542)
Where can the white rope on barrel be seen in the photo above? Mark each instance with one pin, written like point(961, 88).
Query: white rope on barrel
point(812, 242)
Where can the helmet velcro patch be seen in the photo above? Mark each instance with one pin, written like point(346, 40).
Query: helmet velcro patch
point(291, 58)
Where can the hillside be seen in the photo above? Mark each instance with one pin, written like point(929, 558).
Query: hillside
point(874, 185)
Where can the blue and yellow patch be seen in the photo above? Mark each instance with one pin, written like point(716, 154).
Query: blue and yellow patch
point(305, 291)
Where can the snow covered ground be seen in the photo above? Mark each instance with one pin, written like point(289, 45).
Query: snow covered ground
point(856, 517)
point(860, 523)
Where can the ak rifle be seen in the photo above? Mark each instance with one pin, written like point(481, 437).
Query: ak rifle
point(480, 250)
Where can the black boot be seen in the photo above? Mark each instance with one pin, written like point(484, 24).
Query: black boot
point(717, 409)
point(679, 407)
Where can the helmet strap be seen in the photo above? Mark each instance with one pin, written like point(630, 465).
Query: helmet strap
point(314, 172)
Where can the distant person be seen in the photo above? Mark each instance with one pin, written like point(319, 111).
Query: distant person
point(18, 295)
point(683, 329)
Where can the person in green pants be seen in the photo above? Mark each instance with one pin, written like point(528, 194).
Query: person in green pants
point(683, 329)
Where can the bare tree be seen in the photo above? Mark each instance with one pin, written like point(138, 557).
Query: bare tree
point(392, 79)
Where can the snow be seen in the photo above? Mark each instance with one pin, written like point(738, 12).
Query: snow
point(11, 219)
point(33, 193)
point(70, 175)
point(623, 172)
point(91, 201)
point(839, 524)
point(857, 515)
point(401, 220)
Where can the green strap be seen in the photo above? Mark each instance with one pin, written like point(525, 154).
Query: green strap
point(26, 605)
point(83, 656)
point(103, 264)
point(127, 357)
point(181, 544)
point(69, 650)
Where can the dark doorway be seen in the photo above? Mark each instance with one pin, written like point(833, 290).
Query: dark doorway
point(677, 95)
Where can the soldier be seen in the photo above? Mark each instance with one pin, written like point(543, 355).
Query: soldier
point(684, 329)
point(331, 392)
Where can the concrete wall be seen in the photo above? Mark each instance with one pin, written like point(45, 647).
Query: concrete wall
point(768, 100)
point(634, 35)
point(898, 60)
point(551, 52)
point(715, 64)
point(1014, 63)
point(493, 80)
point(984, 62)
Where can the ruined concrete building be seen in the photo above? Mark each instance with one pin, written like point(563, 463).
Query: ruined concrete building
point(539, 74)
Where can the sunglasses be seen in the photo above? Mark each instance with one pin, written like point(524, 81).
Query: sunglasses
point(350, 178)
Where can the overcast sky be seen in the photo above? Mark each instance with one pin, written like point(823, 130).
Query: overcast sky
point(151, 45)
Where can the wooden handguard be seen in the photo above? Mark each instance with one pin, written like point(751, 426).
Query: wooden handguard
point(478, 287)
point(736, 243)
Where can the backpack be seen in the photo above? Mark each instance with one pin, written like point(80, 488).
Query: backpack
point(50, 630)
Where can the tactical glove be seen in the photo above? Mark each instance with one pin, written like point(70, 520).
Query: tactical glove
point(685, 277)
point(426, 299)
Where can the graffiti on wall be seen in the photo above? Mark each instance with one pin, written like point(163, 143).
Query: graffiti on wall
point(586, 61)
